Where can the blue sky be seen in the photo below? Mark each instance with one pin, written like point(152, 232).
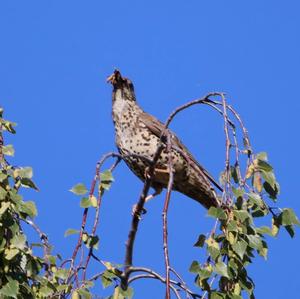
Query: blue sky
point(55, 56)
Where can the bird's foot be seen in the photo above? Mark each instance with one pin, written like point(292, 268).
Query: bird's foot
point(146, 173)
point(137, 212)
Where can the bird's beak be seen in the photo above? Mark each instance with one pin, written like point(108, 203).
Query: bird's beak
point(114, 78)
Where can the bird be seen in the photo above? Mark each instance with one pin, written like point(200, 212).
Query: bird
point(138, 135)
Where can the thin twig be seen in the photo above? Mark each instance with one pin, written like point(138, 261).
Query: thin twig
point(85, 212)
point(42, 236)
point(182, 281)
point(1, 144)
point(162, 279)
point(165, 214)
point(204, 100)
point(227, 149)
point(246, 138)
point(210, 284)
point(136, 217)
point(99, 200)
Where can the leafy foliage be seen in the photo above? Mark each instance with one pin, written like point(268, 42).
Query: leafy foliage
point(231, 246)
point(21, 272)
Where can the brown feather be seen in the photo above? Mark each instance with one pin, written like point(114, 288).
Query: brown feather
point(157, 128)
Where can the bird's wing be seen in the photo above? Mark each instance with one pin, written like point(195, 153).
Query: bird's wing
point(157, 127)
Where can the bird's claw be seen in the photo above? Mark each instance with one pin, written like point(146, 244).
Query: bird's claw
point(146, 173)
point(137, 212)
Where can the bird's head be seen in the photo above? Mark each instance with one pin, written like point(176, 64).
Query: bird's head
point(123, 84)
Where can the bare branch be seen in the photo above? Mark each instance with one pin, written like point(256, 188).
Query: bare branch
point(162, 279)
point(204, 100)
point(165, 214)
point(136, 217)
point(141, 276)
point(181, 280)
point(227, 149)
point(85, 212)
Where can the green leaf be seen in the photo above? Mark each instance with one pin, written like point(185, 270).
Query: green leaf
point(10, 253)
point(288, 217)
point(85, 294)
point(117, 294)
point(3, 176)
point(255, 199)
point(257, 181)
point(272, 191)
point(250, 171)
point(85, 202)
point(29, 208)
point(242, 215)
point(221, 268)
point(88, 284)
point(51, 259)
point(24, 172)
point(113, 268)
point(71, 231)
point(106, 282)
point(19, 241)
point(263, 165)
point(8, 150)
point(246, 285)
point(269, 177)
point(62, 273)
point(275, 226)
point(264, 250)
point(258, 212)
point(202, 283)
point(213, 247)
point(262, 156)
point(211, 242)
point(10, 289)
point(195, 267)
point(232, 266)
point(4, 206)
point(128, 293)
point(290, 230)
point(238, 192)
point(106, 176)
point(94, 201)
point(93, 241)
point(200, 242)
point(205, 272)
point(264, 230)
point(63, 287)
point(106, 278)
point(217, 213)
point(8, 125)
point(240, 248)
point(45, 291)
point(79, 189)
point(216, 295)
point(28, 183)
point(234, 173)
point(255, 241)
point(106, 179)
point(230, 236)
point(232, 226)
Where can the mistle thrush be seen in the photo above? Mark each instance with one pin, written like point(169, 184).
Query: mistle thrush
point(139, 133)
